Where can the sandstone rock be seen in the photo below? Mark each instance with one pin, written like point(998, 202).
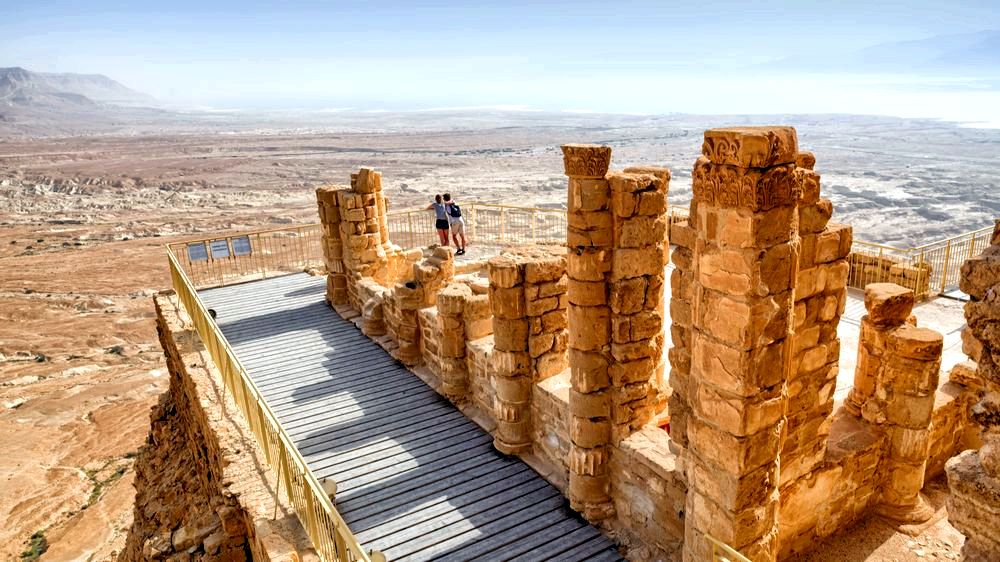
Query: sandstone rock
point(888, 303)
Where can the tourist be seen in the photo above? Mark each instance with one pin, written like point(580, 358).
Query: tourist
point(457, 223)
point(440, 220)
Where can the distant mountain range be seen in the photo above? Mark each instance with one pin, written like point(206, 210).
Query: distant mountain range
point(26, 89)
point(968, 54)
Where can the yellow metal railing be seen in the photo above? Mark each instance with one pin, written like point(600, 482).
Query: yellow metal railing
point(243, 256)
point(722, 552)
point(326, 528)
point(929, 269)
point(487, 223)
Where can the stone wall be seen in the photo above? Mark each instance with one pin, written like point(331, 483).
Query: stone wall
point(200, 490)
point(974, 476)
point(820, 299)
point(758, 454)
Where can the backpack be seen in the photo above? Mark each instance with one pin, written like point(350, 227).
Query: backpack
point(455, 211)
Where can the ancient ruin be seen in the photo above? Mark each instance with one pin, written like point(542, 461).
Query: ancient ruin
point(561, 353)
point(974, 476)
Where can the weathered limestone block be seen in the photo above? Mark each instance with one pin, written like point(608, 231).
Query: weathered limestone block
point(527, 295)
point(333, 247)
point(681, 297)
point(974, 476)
point(746, 262)
point(820, 297)
point(636, 286)
point(895, 384)
point(650, 491)
point(589, 262)
point(451, 306)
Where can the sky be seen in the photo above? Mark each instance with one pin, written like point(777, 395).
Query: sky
point(621, 57)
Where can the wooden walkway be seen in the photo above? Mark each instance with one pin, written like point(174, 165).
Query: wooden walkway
point(416, 479)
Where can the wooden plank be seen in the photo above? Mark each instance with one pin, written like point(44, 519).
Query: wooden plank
point(421, 482)
point(370, 402)
point(399, 506)
point(552, 549)
point(345, 432)
point(484, 547)
point(432, 541)
point(384, 524)
point(585, 550)
point(333, 384)
point(539, 539)
point(396, 464)
point(387, 447)
point(351, 403)
point(440, 465)
point(395, 431)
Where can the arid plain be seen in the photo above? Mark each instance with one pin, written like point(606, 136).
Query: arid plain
point(83, 221)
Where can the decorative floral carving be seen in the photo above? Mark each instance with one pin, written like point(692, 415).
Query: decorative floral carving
point(744, 188)
point(586, 160)
point(751, 147)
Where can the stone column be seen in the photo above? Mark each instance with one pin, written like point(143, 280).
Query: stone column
point(889, 307)
point(745, 264)
point(820, 298)
point(454, 372)
point(901, 364)
point(333, 244)
point(590, 240)
point(635, 289)
point(528, 299)
point(974, 476)
point(683, 237)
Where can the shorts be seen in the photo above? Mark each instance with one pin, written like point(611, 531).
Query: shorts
point(458, 227)
point(441, 224)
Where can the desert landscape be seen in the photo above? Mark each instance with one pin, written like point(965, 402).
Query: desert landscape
point(86, 207)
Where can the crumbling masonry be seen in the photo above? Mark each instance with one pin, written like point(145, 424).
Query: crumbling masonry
point(560, 352)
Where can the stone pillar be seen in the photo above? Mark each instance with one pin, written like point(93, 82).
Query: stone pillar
point(365, 255)
point(683, 237)
point(590, 240)
point(901, 364)
point(889, 307)
point(528, 300)
point(974, 476)
point(820, 298)
point(453, 370)
point(333, 246)
point(745, 264)
point(635, 289)
point(401, 307)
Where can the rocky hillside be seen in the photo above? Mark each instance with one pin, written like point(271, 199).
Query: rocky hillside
point(20, 87)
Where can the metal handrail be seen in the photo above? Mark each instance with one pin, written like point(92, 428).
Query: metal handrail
point(722, 552)
point(327, 530)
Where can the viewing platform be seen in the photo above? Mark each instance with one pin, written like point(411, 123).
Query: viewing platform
point(415, 478)
point(686, 383)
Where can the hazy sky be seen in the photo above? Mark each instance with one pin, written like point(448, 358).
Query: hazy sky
point(605, 56)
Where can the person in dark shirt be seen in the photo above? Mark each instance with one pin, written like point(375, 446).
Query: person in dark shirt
point(457, 223)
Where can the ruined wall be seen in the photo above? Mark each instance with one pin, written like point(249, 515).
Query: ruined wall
point(974, 476)
point(895, 431)
point(757, 291)
point(200, 491)
point(820, 299)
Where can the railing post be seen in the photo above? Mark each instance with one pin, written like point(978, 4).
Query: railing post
point(923, 273)
point(944, 271)
point(534, 227)
point(503, 224)
point(472, 221)
point(409, 228)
